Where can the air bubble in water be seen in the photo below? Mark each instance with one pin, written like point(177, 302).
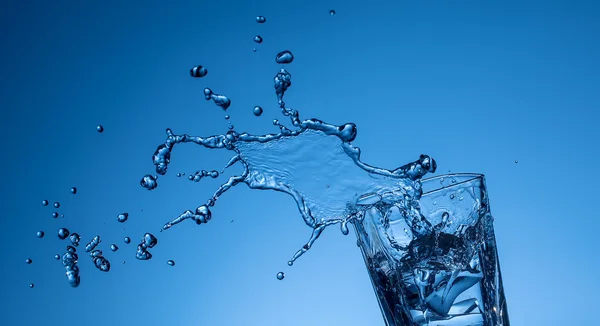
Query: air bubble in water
point(63, 233)
point(28, 261)
point(114, 247)
point(284, 57)
point(280, 276)
point(122, 217)
point(451, 196)
point(44, 202)
point(55, 214)
point(149, 182)
point(31, 285)
point(332, 12)
point(56, 205)
point(198, 71)
point(171, 263)
point(74, 190)
point(258, 39)
point(99, 128)
point(127, 240)
point(257, 111)
point(40, 234)
point(261, 19)
point(516, 161)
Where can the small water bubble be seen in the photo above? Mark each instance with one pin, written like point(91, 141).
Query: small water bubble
point(40, 234)
point(257, 111)
point(171, 263)
point(227, 118)
point(55, 214)
point(74, 190)
point(198, 71)
point(284, 57)
point(31, 285)
point(290, 263)
point(332, 12)
point(460, 198)
point(122, 217)
point(57, 257)
point(280, 276)
point(261, 19)
point(99, 128)
point(435, 202)
point(114, 247)
point(258, 39)
point(451, 196)
point(516, 161)
point(149, 182)
point(56, 205)
point(230, 127)
point(44, 202)
point(63, 233)
point(127, 240)
point(28, 261)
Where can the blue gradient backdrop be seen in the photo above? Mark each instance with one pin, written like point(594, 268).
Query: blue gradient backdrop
point(475, 84)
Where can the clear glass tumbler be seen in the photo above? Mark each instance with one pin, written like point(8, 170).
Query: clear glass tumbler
point(449, 276)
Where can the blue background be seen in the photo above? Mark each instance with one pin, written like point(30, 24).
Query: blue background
point(475, 84)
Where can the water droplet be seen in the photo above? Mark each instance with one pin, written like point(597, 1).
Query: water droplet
point(171, 263)
point(57, 257)
point(220, 100)
point(90, 246)
point(40, 234)
point(122, 217)
point(227, 118)
point(451, 196)
point(280, 276)
point(75, 238)
point(149, 182)
point(445, 217)
point(203, 214)
point(460, 198)
point(44, 202)
point(74, 190)
point(99, 128)
point(230, 127)
point(290, 263)
point(149, 240)
point(127, 240)
point(253, 50)
point(198, 71)
point(56, 205)
point(258, 39)
point(63, 233)
point(31, 285)
point(28, 261)
point(332, 12)
point(516, 161)
point(114, 247)
point(257, 111)
point(261, 19)
point(55, 214)
point(284, 57)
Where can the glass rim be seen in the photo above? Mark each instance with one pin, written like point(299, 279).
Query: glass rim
point(468, 178)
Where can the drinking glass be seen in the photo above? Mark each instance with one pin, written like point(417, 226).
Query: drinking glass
point(446, 276)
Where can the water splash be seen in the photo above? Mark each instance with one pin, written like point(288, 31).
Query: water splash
point(69, 261)
point(324, 153)
point(221, 100)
